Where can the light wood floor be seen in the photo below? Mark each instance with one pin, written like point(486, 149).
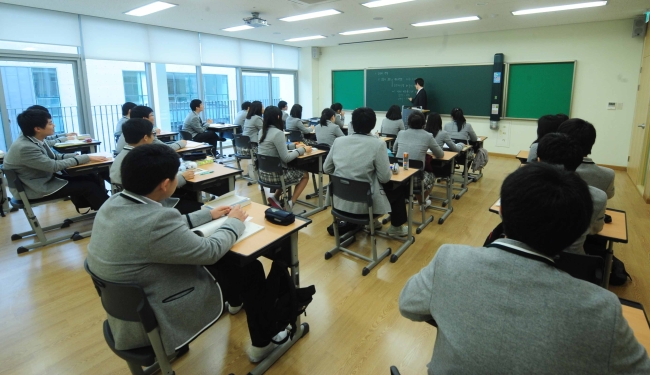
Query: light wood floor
point(51, 316)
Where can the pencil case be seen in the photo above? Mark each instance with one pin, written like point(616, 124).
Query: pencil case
point(279, 217)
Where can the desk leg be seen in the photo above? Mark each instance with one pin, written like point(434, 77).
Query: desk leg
point(450, 194)
point(410, 239)
point(463, 188)
point(321, 204)
point(5, 203)
point(303, 328)
point(231, 183)
point(609, 260)
point(93, 149)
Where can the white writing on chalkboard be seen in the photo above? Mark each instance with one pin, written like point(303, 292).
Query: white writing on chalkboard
point(401, 88)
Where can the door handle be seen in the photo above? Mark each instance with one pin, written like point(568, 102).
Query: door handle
point(642, 126)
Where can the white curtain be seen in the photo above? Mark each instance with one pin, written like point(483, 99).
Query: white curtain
point(22, 24)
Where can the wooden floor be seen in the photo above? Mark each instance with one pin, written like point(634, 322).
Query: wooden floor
point(51, 316)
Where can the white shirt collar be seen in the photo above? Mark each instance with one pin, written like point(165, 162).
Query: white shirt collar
point(520, 246)
point(34, 139)
point(419, 90)
point(141, 198)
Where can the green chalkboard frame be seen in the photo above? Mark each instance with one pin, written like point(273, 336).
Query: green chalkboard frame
point(345, 92)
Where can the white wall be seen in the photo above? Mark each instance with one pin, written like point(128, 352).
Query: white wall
point(608, 62)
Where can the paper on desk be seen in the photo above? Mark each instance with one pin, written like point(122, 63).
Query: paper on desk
point(498, 204)
point(229, 199)
point(208, 229)
point(71, 142)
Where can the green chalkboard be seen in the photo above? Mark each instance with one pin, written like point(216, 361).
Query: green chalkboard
point(535, 90)
point(347, 88)
point(466, 86)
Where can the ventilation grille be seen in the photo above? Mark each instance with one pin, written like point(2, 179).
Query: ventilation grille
point(377, 40)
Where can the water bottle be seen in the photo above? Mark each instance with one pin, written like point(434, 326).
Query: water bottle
point(406, 161)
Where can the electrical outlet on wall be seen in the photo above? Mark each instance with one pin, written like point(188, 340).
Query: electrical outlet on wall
point(503, 134)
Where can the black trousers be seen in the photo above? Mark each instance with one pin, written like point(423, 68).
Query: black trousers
point(396, 198)
point(83, 189)
point(244, 284)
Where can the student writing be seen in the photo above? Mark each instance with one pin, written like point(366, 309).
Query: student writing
point(326, 130)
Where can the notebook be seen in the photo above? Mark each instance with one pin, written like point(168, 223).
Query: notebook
point(208, 229)
point(229, 199)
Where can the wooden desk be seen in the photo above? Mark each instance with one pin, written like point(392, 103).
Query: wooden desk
point(447, 208)
point(523, 156)
point(204, 182)
point(638, 322)
point(267, 242)
point(165, 136)
point(84, 148)
point(616, 231)
point(91, 167)
point(194, 146)
point(496, 206)
point(387, 139)
point(307, 158)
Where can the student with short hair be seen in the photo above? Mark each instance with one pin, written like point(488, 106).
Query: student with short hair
point(507, 308)
point(294, 123)
point(56, 138)
point(434, 126)
point(393, 122)
point(459, 129)
point(38, 168)
point(362, 157)
point(198, 129)
point(147, 113)
point(240, 117)
point(326, 130)
point(273, 143)
point(138, 132)
point(560, 149)
point(283, 107)
point(585, 134)
point(420, 99)
point(545, 125)
point(340, 114)
point(126, 115)
point(416, 142)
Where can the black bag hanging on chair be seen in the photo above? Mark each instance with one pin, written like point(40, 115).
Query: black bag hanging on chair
point(344, 227)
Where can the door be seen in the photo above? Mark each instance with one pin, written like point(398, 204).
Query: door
point(638, 145)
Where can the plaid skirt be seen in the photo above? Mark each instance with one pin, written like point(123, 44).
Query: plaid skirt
point(291, 176)
point(429, 180)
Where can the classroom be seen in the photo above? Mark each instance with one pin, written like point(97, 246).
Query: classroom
point(185, 187)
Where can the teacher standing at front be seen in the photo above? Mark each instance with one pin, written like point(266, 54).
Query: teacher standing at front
point(420, 99)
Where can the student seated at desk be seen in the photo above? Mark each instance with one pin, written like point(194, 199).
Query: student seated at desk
point(506, 308)
point(362, 157)
point(326, 130)
point(340, 114)
point(126, 115)
point(240, 117)
point(138, 132)
point(585, 134)
point(393, 122)
point(283, 107)
point(459, 129)
point(417, 141)
point(294, 122)
point(140, 239)
point(545, 125)
point(146, 113)
point(253, 123)
point(560, 149)
point(38, 167)
point(55, 138)
point(434, 126)
point(198, 129)
point(273, 143)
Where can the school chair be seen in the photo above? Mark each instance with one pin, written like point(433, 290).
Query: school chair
point(417, 189)
point(272, 164)
point(444, 174)
point(314, 176)
point(295, 136)
point(129, 302)
point(241, 143)
point(590, 268)
point(357, 192)
point(185, 135)
point(389, 144)
point(25, 204)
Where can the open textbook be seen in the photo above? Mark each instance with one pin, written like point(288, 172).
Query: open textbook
point(229, 199)
point(208, 229)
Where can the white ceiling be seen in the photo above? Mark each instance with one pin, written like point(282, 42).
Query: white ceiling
point(210, 16)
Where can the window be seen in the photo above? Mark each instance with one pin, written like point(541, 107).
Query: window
point(220, 93)
point(175, 87)
point(135, 87)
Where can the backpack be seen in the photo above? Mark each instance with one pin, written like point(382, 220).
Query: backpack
point(282, 301)
point(619, 275)
point(480, 160)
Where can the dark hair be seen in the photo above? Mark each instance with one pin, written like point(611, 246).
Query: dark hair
point(562, 117)
point(38, 107)
point(296, 111)
point(337, 107)
point(135, 129)
point(419, 81)
point(254, 109)
point(282, 104)
point(245, 105)
point(394, 113)
point(32, 118)
point(126, 107)
point(458, 117)
point(141, 111)
point(272, 117)
point(581, 131)
point(434, 123)
point(146, 166)
point(363, 120)
point(560, 149)
point(195, 103)
point(545, 207)
point(416, 120)
point(547, 124)
point(326, 115)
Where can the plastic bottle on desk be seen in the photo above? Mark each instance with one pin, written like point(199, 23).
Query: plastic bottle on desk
point(406, 161)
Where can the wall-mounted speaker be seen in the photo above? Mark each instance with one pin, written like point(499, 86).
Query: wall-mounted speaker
point(315, 53)
point(639, 27)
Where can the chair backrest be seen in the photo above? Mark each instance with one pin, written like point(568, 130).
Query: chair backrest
point(12, 180)
point(186, 135)
point(412, 163)
point(323, 146)
point(269, 164)
point(314, 121)
point(350, 190)
point(582, 266)
point(295, 136)
point(124, 301)
point(388, 135)
point(242, 141)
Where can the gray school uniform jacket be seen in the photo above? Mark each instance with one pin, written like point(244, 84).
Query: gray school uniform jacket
point(532, 153)
point(364, 158)
point(118, 127)
point(327, 134)
point(416, 142)
point(391, 126)
point(443, 138)
point(507, 309)
point(252, 127)
point(293, 123)
point(284, 116)
point(137, 240)
point(339, 120)
point(597, 176)
point(193, 124)
point(240, 117)
point(116, 173)
point(465, 133)
point(275, 144)
point(121, 143)
point(599, 199)
point(36, 166)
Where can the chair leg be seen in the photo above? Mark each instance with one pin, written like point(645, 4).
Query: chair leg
point(135, 369)
point(263, 194)
point(163, 361)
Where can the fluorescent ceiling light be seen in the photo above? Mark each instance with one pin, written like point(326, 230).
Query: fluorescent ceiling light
point(239, 28)
point(442, 22)
point(154, 7)
point(560, 7)
point(307, 16)
point(304, 38)
point(381, 3)
point(366, 31)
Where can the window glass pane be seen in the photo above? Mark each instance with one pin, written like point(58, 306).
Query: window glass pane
point(283, 88)
point(3, 143)
point(220, 93)
point(175, 87)
point(256, 87)
point(111, 84)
